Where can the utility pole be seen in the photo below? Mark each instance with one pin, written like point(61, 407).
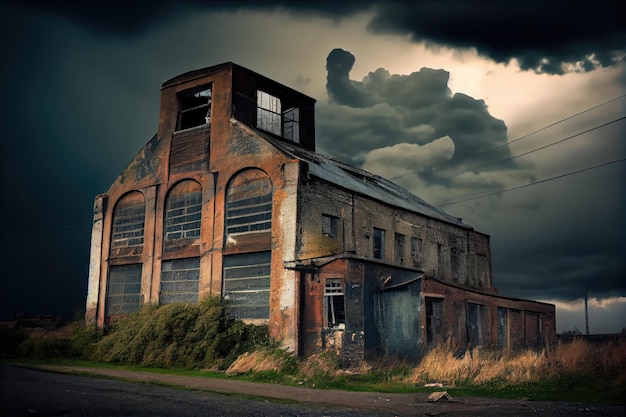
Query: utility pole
point(586, 314)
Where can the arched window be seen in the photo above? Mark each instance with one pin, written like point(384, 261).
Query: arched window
point(128, 225)
point(249, 202)
point(183, 209)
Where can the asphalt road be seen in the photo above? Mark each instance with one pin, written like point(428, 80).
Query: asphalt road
point(57, 392)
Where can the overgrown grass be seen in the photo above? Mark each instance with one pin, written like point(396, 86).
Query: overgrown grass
point(203, 340)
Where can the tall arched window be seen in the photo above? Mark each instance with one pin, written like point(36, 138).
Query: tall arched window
point(183, 209)
point(249, 202)
point(247, 274)
point(128, 225)
point(127, 236)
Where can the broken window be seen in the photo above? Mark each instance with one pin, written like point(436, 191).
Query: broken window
point(123, 289)
point(247, 284)
point(194, 108)
point(179, 281)
point(291, 124)
point(416, 250)
point(271, 118)
point(477, 324)
point(379, 244)
point(249, 203)
point(334, 302)
point(330, 226)
point(434, 318)
point(268, 113)
point(128, 221)
point(183, 211)
point(399, 248)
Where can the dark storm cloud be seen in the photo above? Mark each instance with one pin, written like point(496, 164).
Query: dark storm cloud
point(544, 36)
point(416, 109)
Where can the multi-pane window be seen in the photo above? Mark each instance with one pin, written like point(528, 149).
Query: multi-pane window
point(379, 243)
point(123, 289)
point(249, 203)
point(179, 280)
point(271, 118)
point(399, 248)
point(195, 108)
point(330, 226)
point(334, 302)
point(128, 221)
point(247, 284)
point(183, 211)
point(291, 124)
point(268, 113)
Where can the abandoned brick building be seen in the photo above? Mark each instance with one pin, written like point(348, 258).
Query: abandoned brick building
point(230, 198)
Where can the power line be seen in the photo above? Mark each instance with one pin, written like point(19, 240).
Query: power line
point(550, 144)
point(477, 196)
point(555, 123)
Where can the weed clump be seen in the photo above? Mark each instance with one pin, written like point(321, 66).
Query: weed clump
point(180, 335)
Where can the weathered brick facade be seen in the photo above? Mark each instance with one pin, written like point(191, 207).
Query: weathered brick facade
point(229, 198)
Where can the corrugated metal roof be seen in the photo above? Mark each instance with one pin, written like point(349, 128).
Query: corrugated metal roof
point(362, 182)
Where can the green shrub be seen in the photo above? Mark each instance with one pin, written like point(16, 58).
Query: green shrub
point(180, 335)
point(10, 340)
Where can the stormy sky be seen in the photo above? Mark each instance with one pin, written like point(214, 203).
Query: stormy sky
point(507, 114)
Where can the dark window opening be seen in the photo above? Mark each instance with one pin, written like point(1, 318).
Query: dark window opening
point(477, 324)
point(399, 248)
point(334, 302)
point(271, 118)
point(503, 328)
point(379, 244)
point(195, 108)
point(434, 318)
point(330, 226)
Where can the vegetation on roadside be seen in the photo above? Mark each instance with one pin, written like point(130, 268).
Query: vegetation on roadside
point(205, 340)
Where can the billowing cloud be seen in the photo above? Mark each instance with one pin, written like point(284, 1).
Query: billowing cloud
point(396, 122)
point(543, 36)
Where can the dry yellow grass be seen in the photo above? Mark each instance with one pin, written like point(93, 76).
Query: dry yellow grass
point(440, 365)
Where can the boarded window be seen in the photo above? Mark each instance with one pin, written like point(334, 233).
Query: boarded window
point(247, 284)
point(249, 203)
point(183, 211)
point(123, 289)
point(334, 302)
point(179, 281)
point(416, 252)
point(128, 221)
point(503, 328)
point(194, 108)
point(330, 226)
point(477, 324)
point(434, 319)
point(399, 248)
point(379, 244)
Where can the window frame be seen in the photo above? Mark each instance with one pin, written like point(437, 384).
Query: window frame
point(187, 104)
point(378, 243)
point(335, 303)
point(330, 226)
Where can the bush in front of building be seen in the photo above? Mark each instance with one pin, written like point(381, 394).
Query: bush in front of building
point(180, 335)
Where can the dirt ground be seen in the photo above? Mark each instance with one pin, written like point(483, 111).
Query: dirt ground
point(372, 403)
